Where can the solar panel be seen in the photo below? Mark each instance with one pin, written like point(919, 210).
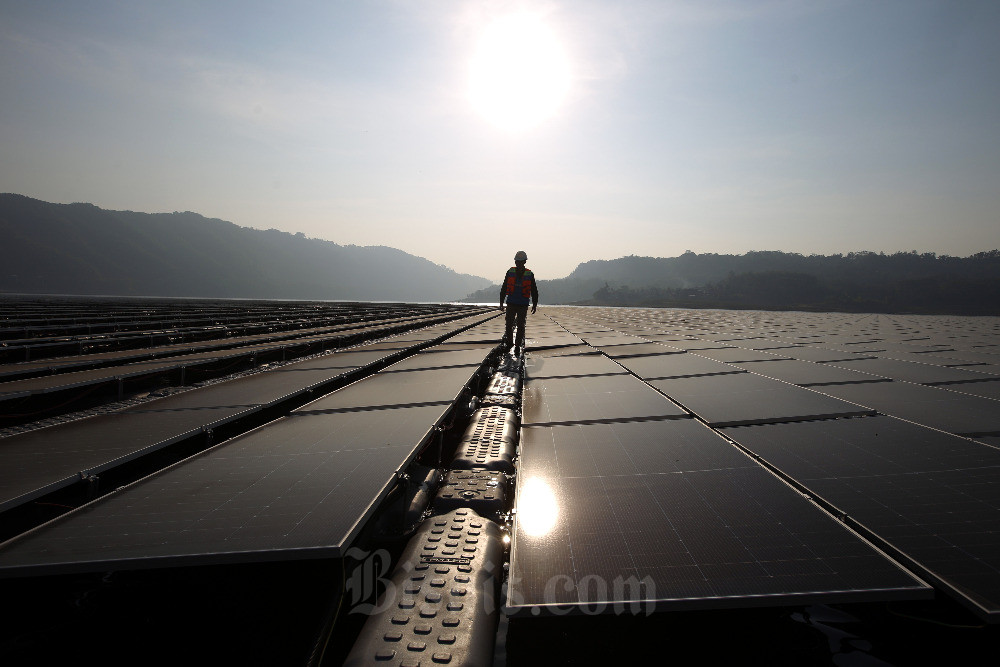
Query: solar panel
point(438, 357)
point(933, 496)
point(387, 388)
point(668, 514)
point(353, 358)
point(43, 460)
point(726, 400)
point(602, 397)
point(300, 487)
point(971, 356)
point(563, 339)
point(804, 373)
point(568, 350)
point(821, 355)
point(989, 389)
point(737, 354)
point(639, 350)
point(938, 407)
point(256, 389)
point(601, 341)
point(909, 371)
point(689, 345)
point(676, 365)
point(565, 366)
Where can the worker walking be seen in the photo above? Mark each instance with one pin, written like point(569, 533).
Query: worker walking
point(519, 289)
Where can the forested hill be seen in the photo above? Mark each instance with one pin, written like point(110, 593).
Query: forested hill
point(82, 249)
point(858, 281)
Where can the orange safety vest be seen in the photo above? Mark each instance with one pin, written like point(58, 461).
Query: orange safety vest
point(511, 283)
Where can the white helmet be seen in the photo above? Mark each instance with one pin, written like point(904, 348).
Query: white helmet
point(521, 256)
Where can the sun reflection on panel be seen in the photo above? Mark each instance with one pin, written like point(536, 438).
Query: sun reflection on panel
point(519, 74)
point(537, 508)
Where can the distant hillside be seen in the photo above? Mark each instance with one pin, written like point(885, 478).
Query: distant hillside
point(82, 249)
point(858, 281)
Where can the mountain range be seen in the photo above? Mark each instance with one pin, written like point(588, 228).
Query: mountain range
point(83, 249)
point(861, 281)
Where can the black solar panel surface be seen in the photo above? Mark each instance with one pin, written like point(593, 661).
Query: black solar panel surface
point(39, 461)
point(602, 397)
point(299, 487)
point(642, 349)
point(745, 398)
point(566, 366)
point(933, 496)
point(938, 407)
point(405, 387)
point(442, 357)
point(908, 371)
point(669, 512)
point(804, 373)
point(43, 460)
point(741, 354)
point(989, 389)
point(676, 365)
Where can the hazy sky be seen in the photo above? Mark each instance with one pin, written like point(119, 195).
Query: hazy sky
point(463, 131)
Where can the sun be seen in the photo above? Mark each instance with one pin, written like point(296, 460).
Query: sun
point(519, 74)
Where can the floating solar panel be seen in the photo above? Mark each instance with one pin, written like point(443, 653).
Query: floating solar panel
point(538, 342)
point(674, 340)
point(989, 389)
point(257, 389)
point(696, 345)
point(968, 356)
point(567, 366)
point(612, 341)
point(676, 366)
point(436, 385)
point(52, 383)
point(568, 350)
point(908, 371)
point(739, 354)
point(438, 357)
point(44, 460)
point(727, 400)
point(357, 357)
point(300, 487)
point(806, 374)
point(938, 407)
point(639, 350)
point(932, 496)
point(822, 355)
point(594, 398)
point(774, 347)
point(667, 515)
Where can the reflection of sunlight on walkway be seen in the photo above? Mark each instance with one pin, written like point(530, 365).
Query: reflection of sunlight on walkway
point(537, 509)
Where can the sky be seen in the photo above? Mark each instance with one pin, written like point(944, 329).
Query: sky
point(465, 131)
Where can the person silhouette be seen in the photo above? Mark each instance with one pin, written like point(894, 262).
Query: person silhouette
point(520, 289)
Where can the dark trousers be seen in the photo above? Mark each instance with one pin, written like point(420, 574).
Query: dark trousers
point(516, 313)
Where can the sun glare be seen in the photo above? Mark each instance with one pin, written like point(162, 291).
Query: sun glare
point(537, 508)
point(519, 74)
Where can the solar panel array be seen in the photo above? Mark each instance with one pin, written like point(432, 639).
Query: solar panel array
point(889, 422)
point(683, 459)
point(300, 486)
